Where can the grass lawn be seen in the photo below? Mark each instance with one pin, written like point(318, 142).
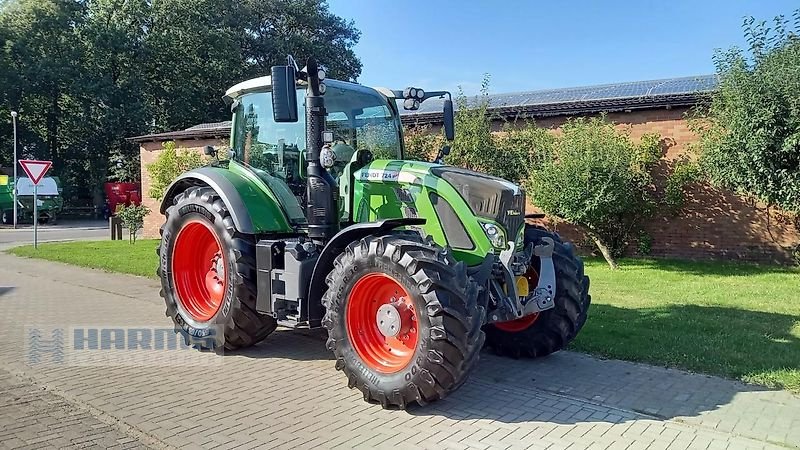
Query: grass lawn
point(112, 256)
point(735, 320)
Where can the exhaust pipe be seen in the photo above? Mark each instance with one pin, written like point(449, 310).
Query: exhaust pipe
point(322, 210)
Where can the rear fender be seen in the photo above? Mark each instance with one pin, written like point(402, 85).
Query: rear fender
point(253, 211)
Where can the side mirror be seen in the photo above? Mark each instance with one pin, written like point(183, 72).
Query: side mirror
point(284, 94)
point(449, 120)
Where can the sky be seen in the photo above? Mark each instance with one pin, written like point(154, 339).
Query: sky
point(530, 45)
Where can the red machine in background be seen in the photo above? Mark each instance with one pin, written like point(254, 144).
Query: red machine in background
point(122, 194)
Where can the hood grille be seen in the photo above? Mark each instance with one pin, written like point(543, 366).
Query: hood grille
point(488, 197)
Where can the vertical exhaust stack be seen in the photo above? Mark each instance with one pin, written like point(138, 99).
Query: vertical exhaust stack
point(322, 210)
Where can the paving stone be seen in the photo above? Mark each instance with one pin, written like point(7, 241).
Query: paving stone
point(285, 393)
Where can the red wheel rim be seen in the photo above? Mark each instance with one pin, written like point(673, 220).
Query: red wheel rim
point(385, 354)
point(198, 270)
point(517, 325)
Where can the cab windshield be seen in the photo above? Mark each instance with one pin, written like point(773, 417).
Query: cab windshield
point(359, 118)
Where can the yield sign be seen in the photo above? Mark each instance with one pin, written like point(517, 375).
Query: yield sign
point(35, 169)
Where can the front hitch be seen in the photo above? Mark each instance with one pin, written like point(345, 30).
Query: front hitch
point(508, 304)
point(542, 296)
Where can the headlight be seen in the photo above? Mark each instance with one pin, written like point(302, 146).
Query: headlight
point(496, 235)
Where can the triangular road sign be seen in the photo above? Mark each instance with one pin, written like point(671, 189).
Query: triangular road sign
point(35, 169)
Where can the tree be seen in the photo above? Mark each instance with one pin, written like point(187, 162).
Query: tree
point(595, 177)
point(302, 28)
point(87, 74)
point(750, 132)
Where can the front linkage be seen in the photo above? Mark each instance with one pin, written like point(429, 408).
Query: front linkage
point(509, 296)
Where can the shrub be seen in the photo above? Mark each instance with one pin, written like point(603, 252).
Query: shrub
point(421, 144)
point(597, 178)
point(750, 132)
point(518, 149)
point(133, 218)
point(473, 147)
point(170, 163)
point(685, 173)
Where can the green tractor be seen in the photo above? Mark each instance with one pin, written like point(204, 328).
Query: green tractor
point(315, 220)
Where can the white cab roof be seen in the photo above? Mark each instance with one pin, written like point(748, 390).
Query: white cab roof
point(264, 83)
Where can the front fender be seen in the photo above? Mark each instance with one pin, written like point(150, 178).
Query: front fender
point(252, 209)
point(334, 247)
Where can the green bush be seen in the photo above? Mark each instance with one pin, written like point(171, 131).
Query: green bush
point(171, 162)
point(684, 174)
point(596, 177)
point(421, 144)
point(518, 149)
point(750, 132)
point(133, 219)
point(473, 147)
point(509, 154)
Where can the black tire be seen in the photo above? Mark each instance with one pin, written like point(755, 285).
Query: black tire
point(449, 318)
point(7, 216)
point(236, 324)
point(555, 328)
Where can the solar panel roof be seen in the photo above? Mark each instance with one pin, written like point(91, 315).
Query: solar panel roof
point(650, 89)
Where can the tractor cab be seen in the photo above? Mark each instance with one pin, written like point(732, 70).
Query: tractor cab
point(362, 124)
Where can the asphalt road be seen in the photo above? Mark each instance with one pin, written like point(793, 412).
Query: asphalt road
point(63, 231)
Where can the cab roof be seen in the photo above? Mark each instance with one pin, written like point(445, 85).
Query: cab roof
point(265, 83)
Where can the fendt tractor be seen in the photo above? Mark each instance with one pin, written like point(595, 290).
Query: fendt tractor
point(315, 220)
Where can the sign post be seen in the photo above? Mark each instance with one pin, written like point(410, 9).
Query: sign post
point(35, 171)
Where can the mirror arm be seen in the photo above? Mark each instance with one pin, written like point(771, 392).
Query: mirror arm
point(444, 151)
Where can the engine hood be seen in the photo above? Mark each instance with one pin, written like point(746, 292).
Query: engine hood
point(489, 197)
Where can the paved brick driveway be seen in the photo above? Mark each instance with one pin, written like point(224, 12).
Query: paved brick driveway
point(285, 392)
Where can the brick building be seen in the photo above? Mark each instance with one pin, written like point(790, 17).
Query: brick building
point(712, 224)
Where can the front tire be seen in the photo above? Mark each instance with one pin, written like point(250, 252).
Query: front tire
point(552, 330)
point(434, 307)
point(208, 272)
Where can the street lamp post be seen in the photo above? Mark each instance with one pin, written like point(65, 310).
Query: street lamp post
point(14, 120)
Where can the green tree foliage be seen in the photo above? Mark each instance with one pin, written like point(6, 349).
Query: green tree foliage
point(509, 154)
point(684, 173)
point(421, 143)
point(473, 147)
point(86, 74)
point(171, 162)
point(519, 148)
point(750, 132)
point(596, 177)
point(132, 218)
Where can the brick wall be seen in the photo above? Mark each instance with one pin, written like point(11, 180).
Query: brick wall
point(713, 223)
point(148, 152)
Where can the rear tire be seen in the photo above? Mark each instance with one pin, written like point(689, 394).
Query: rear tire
point(7, 216)
point(223, 317)
point(554, 328)
point(443, 301)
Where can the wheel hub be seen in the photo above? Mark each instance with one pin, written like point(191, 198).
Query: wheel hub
point(388, 319)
